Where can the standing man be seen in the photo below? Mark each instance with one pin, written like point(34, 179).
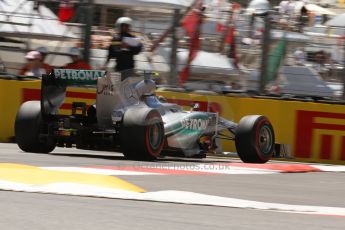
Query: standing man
point(123, 48)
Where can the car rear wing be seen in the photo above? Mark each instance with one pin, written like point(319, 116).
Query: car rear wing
point(53, 86)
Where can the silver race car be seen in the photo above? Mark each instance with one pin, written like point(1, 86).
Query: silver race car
point(128, 117)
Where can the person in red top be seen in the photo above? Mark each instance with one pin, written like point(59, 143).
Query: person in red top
point(77, 62)
point(44, 52)
point(35, 67)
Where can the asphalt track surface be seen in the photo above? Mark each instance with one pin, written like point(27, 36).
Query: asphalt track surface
point(48, 211)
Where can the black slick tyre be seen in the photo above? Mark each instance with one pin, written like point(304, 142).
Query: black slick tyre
point(254, 139)
point(28, 126)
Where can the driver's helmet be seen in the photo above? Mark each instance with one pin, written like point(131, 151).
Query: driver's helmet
point(123, 20)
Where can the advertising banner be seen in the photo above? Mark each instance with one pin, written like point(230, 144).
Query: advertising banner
point(313, 132)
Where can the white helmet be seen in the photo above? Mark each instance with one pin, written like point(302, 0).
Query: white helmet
point(74, 51)
point(123, 20)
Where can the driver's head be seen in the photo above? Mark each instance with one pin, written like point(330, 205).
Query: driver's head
point(124, 24)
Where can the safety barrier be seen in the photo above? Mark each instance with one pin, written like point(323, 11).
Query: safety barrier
point(313, 132)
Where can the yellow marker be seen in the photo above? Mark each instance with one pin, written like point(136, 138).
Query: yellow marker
point(36, 176)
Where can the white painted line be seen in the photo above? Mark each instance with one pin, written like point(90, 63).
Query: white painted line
point(214, 169)
point(199, 168)
point(180, 197)
point(330, 168)
point(222, 169)
point(109, 172)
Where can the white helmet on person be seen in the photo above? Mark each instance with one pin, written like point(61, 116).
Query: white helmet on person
point(74, 51)
point(33, 55)
point(124, 20)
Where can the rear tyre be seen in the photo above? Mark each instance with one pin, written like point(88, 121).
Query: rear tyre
point(28, 126)
point(142, 134)
point(254, 139)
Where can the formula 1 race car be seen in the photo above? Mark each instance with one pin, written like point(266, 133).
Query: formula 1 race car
point(129, 117)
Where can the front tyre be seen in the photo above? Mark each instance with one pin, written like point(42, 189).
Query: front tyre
point(28, 127)
point(254, 139)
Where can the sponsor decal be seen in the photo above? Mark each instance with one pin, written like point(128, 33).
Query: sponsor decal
point(322, 131)
point(194, 124)
point(107, 90)
point(129, 92)
point(205, 106)
point(73, 75)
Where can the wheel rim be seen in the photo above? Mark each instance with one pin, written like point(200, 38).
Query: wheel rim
point(155, 137)
point(265, 139)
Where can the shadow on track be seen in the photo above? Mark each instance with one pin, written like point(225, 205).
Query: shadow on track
point(163, 159)
point(104, 157)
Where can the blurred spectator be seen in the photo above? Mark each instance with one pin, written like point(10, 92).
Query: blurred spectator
point(291, 9)
point(287, 12)
point(283, 7)
point(77, 62)
point(34, 67)
point(44, 51)
point(303, 17)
